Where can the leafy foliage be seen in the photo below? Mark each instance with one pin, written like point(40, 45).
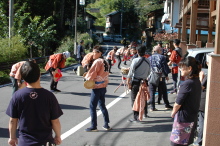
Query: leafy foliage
point(67, 44)
point(70, 61)
point(105, 6)
point(36, 32)
point(3, 21)
point(12, 49)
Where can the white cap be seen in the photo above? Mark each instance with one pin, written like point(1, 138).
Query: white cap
point(67, 54)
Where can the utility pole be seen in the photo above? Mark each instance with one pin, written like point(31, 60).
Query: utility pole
point(75, 43)
point(121, 16)
point(11, 14)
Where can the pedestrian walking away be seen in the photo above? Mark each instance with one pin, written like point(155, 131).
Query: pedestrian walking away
point(119, 55)
point(35, 111)
point(99, 74)
point(139, 70)
point(159, 65)
point(79, 54)
point(56, 61)
point(186, 107)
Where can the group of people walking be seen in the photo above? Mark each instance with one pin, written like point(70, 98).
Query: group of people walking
point(142, 68)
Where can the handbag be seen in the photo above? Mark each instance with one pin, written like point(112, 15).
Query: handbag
point(154, 78)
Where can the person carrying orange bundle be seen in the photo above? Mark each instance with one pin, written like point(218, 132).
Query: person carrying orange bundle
point(56, 61)
point(86, 61)
point(111, 57)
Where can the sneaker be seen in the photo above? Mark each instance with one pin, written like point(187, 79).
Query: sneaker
point(133, 120)
point(153, 109)
point(107, 128)
point(168, 107)
point(91, 130)
point(52, 91)
point(56, 90)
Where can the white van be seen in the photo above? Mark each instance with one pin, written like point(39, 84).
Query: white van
point(200, 54)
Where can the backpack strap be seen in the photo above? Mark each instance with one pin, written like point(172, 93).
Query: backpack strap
point(143, 59)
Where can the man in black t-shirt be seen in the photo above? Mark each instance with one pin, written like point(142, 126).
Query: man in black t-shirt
point(37, 111)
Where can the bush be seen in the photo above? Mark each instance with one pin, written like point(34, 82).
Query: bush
point(4, 77)
point(70, 61)
point(67, 44)
point(12, 49)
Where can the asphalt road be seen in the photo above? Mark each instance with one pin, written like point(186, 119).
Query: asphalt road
point(74, 101)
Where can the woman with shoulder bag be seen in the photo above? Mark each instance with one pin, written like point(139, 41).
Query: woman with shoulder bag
point(186, 107)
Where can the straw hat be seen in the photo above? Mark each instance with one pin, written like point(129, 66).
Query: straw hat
point(89, 84)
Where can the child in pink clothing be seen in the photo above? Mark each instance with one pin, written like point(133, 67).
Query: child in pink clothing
point(15, 75)
point(98, 73)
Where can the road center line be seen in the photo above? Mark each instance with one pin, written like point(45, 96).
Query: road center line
point(86, 121)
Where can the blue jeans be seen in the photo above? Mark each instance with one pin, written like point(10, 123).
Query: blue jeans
point(201, 125)
point(175, 76)
point(98, 97)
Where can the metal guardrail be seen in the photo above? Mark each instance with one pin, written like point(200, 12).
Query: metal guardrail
point(8, 65)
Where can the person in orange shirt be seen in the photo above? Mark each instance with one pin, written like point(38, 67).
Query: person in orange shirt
point(175, 58)
point(111, 57)
point(99, 74)
point(56, 61)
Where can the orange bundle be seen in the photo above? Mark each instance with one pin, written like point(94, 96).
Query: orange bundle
point(57, 75)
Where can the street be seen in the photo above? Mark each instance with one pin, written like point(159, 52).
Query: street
point(74, 101)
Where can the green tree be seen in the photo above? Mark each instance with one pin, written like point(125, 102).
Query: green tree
point(37, 33)
point(105, 6)
point(3, 20)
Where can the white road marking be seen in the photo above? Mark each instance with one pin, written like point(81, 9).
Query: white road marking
point(86, 121)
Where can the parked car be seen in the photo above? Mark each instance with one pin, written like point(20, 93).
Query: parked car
point(200, 54)
point(117, 38)
point(107, 38)
point(99, 39)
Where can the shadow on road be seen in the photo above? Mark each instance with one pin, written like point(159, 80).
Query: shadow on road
point(4, 133)
point(64, 106)
point(76, 93)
